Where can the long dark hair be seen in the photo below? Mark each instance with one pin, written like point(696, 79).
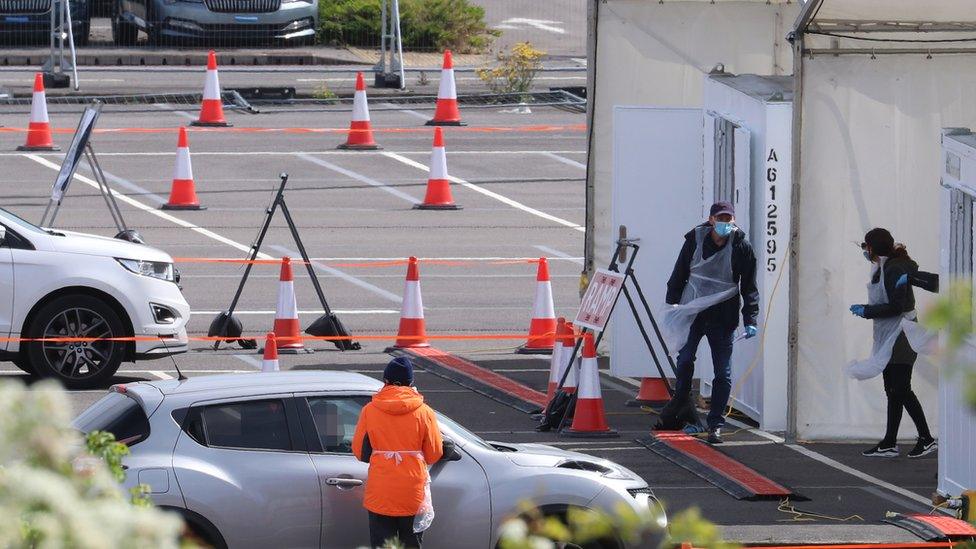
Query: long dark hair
point(883, 244)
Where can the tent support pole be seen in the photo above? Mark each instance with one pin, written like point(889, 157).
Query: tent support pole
point(794, 247)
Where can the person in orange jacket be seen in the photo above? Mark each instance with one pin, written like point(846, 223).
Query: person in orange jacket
point(397, 435)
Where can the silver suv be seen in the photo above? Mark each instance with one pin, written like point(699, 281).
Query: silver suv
point(264, 460)
point(213, 22)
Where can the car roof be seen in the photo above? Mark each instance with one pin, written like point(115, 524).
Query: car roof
point(259, 383)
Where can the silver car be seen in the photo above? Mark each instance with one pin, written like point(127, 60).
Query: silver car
point(265, 460)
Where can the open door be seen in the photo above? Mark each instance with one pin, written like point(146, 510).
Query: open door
point(657, 196)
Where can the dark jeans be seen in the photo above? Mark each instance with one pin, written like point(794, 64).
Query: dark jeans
point(898, 387)
point(720, 341)
point(383, 528)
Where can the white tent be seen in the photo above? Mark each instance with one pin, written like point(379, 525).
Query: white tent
point(657, 53)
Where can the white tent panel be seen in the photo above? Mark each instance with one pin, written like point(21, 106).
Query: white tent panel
point(651, 53)
point(870, 135)
point(895, 10)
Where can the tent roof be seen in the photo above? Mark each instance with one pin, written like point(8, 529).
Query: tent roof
point(888, 15)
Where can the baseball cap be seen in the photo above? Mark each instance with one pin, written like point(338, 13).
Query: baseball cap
point(722, 208)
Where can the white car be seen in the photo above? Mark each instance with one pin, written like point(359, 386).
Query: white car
point(63, 284)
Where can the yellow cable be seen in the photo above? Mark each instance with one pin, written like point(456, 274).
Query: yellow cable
point(802, 516)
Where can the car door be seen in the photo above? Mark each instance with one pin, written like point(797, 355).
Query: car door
point(6, 288)
point(242, 464)
point(459, 489)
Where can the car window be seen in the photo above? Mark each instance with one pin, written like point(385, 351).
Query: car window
point(335, 421)
point(118, 414)
point(252, 425)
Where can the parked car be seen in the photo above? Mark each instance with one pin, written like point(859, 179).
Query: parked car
point(63, 284)
point(29, 21)
point(212, 22)
point(265, 460)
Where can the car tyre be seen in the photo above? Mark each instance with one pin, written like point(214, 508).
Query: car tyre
point(77, 365)
point(24, 365)
point(124, 33)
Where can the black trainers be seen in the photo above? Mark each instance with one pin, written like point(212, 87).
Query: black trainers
point(878, 451)
point(923, 448)
point(715, 436)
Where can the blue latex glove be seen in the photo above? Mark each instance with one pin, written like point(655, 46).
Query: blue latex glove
point(751, 332)
point(902, 281)
point(857, 310)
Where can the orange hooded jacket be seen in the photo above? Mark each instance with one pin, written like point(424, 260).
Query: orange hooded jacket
point(397, 420)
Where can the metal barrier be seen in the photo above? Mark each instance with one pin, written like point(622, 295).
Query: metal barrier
point(351, 27)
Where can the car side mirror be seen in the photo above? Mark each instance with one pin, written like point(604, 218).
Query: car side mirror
point(451, 453)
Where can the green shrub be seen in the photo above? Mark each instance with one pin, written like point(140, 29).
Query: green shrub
point(437, 24)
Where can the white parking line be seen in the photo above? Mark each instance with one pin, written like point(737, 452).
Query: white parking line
point(564, 160)
point(331, 152)
point(184, 114)
point(553, 253)
point(131, 186)
point(345, 276)
point(160, 374)
point(414, 114)
point(149, 209)
point(248, 359)
point(490, 194)
point(358, 177)
point(336, 311)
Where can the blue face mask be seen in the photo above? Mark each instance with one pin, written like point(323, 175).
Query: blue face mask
point(867, 255)
point(723, 228)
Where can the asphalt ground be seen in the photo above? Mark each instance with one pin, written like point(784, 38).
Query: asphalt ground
point(354, 210)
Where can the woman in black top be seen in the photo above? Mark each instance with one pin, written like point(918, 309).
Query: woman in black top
point(897, 300)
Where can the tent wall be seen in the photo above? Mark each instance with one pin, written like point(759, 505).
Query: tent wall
point(870, 157)
point(652, 53)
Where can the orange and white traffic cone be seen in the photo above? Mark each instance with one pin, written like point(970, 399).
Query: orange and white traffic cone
point(412, 333)
point(446, 112)
point(542, 328)
point(360, 136)
point(183, 193)
point(286, 328)
point(212, 106)
point(653, 392)
point(39, 128)
point(556, 362)
point(589, 418)
point(438, 196)
point(569, 343)
point(270, 362)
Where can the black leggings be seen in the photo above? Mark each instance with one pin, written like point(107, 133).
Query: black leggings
point(898, 387)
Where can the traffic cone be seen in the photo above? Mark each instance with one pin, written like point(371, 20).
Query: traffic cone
point(446, 113)
point(542, 329)
point(286, 329)
point(212, 106)
point(412, 333)
point(360, 136)
point(556, 362)
point(438, 196)
point(39, 129)
point(653, 392)
point(270, 362)
point(589, 418)
point(183, 193)
point(569, 343)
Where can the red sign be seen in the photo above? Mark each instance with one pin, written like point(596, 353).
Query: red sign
point(598, 300)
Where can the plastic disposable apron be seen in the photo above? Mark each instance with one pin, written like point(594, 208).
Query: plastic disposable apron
point(886, 331)
point(425, 514)
point(710, 282)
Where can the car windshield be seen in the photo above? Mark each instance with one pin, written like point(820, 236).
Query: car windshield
point(17, 222)
point(463, 433)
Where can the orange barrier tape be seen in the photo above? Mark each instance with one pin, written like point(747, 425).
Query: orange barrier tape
point(371, 337)
point(364, 264)
point(422, 129)
point(919, 545)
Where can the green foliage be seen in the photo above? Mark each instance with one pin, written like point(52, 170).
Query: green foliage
point(437, 24)
point(952, 314)
point(103, 445)
point(689, 527)
point(515, 70)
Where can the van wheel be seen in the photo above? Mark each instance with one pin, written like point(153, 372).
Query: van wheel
point(76, 364)
point(123, 33)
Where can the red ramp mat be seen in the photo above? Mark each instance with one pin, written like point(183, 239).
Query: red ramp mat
point(933, 527)
point(732, 477)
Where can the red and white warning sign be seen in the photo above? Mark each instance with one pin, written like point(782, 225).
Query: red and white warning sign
point(598, 300)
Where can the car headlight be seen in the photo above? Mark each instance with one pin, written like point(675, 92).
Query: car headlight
point(154, 269)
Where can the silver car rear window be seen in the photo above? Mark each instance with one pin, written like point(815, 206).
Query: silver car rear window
point(118, 414)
